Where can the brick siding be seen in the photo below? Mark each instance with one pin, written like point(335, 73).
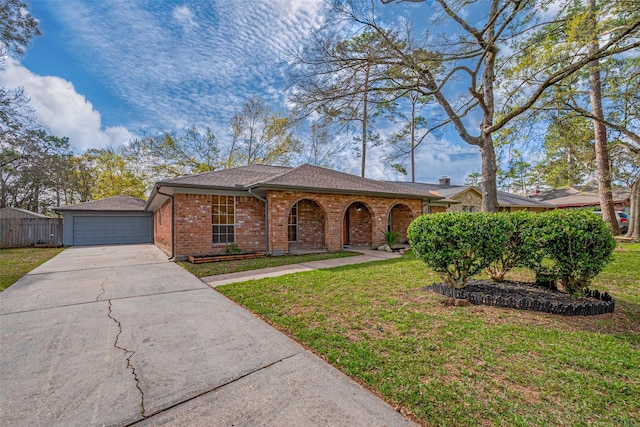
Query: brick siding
point(310, 226)
point(360, 225)
point(162, 227)
point(401, 217)
point(333, 207)
point(320, 222)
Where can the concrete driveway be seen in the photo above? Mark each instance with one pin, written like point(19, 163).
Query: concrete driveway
point(117, 335)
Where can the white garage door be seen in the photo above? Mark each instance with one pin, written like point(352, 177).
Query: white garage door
point(109, 230)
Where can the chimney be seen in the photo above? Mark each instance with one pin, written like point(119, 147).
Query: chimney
point(445, 180)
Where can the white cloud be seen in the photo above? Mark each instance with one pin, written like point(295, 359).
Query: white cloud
point(200, 76)
point(184, 16)
point(61, 109)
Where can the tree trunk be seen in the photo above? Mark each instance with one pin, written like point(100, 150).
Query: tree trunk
point(414, 99)
point(634, 223)
point(600, 131)
point(365, 119)
point(487, 150)
point(489, 168)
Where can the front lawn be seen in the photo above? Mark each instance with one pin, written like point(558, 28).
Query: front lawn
point(15, 263)
point(473, 365)
point(222, 267)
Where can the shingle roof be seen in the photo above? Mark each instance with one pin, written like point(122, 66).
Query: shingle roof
point(228, 178)
point(316, 178)
point(11, 212)
point(446, 191)
point(116, 203)
point(579, 196)
point(504, 199)
point(304, 177)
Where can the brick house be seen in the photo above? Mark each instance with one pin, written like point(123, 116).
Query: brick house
point(467, 198)
point(577, 197)
point(278, 210)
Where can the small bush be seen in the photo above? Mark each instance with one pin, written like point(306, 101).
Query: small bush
point(458, 245)
point(391, 237)
point(232, 249)
point(576, 245)
point(520, 250)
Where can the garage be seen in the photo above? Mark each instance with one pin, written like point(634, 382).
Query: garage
point(113, 221)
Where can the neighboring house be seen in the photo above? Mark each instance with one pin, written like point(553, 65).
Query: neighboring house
point(278, 210)
point(114, 220)
point(15, 213)
point(583, 197)
point(463, 198)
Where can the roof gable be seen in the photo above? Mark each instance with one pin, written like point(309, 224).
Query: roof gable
point(464, 190)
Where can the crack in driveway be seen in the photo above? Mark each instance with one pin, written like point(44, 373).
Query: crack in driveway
point(102, 290)
point(218, 387)
point(130, 354)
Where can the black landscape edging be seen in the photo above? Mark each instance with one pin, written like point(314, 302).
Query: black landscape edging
point(584, 306)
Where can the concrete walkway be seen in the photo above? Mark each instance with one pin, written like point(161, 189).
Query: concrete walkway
point(116, 335)
point(368, 255)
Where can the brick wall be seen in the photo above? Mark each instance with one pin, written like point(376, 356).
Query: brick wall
point(401, 217)
point(250, 225)
point(437, 209)
point(320, 222)
point(333, 208)
point(193, 225)
point(359, 226)
point(162, 227)
point(310, 226)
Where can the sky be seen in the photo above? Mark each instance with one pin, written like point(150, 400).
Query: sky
point(106, 72)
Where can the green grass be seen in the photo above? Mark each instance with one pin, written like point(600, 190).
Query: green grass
point(15, 263)
point(473, 365)
point(629, 247)
point(222, 267)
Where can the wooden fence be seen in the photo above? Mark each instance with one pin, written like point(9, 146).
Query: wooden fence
point(23, 232)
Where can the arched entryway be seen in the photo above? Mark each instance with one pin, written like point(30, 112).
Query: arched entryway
point(305, 227)
point(398, 221)
point(357, 225)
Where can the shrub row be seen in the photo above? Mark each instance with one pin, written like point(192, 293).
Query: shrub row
point(565, 248)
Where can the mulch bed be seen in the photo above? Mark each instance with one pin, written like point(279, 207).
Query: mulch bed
point(527, 296)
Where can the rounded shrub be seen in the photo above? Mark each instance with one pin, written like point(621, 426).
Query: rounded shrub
point(519, 249)
point(458, 245)
point(576, 246)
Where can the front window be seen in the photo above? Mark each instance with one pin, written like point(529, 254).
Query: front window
point(223, 219)
point(468, 208)
point(293, 223)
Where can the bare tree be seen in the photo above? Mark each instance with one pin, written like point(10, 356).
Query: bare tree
point(337, 80)
point(260, 137)
point(466, 67)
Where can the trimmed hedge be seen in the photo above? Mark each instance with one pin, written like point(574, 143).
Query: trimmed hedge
point(563, 247)
point(458, 245)
point(519, 250)
point(576, 245)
